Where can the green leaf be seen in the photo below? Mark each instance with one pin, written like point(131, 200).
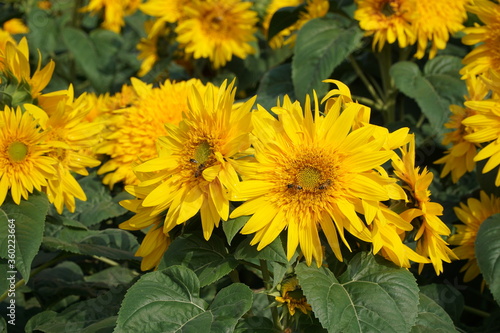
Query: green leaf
point(256, 324)
point(272, 252)
point(487, 247)
point(446, 296)
point(282, 19)
point(322, 44)
point(276, 83)
point(111, 243)
point(82, 315)
point(371, 295)
point(100, 205)
point(86, 56)
point(232, 227)
point(230, 304)
point(168, 300)
point(208, 259)
point(3, 325)
point(29, 221)
point(435, 90)
point(431, 317)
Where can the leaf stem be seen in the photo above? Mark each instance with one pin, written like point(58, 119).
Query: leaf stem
point(365, 80)
point(267, 284)
point(384, 58)
point(475, 311)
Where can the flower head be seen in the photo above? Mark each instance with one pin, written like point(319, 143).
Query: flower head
point(218, 29)
point(386, 20)
point(114, 11)
point(133, 131)
point(293, 297)
point(423, 213)
point(472, 215)
point(314, 173)
point(194, 170)
point(24, 164)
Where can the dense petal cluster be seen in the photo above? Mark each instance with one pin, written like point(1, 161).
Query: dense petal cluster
point(194, 169)
point(472, 215)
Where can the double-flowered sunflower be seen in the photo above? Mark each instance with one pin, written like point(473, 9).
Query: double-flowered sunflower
point(194, 169)
point(316, 171)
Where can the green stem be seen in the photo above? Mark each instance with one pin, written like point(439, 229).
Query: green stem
point(385, 62)
point(35, 271)
point(267, 284)
point(476, 311)
point(365, 80)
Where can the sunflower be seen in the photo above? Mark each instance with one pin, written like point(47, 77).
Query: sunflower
point(218, 29)
point(148, 46)
point(114, 12)
point(71, 136)
point(15, 26)
point(459, 158)
point(168, 11)
point(314, 174)
point(24, 164)
point(472, 215)
point(293, 297)
point(435, 21)
point(387, 21)
point(486, 55)
point(194, 169)
point(17, 85)
point(486, 125)
point(133, 131)
point(422, 212)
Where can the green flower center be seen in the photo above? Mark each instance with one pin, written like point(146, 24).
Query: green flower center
point(202, 152)
point(309, 177)
point(17, 151)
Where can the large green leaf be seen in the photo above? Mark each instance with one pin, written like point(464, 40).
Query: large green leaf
point(432, 318)
point(283, 18)
point(210, 259)
point(434, 89)
point(28, 219)
point(487, 246)
point(256, 324)
point(274, 252)
point(371, 296)
point(446, 296)
point(322, 44)
point(168, 301)
point(232, 227)
point(111, 243)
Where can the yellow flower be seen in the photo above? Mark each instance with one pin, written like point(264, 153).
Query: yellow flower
point(293, 297)
point(194, 169)
point(314, 174)
point(114, 11)
point(459, 158)
point(15, 26)
point(472, 215)
point(218, 29)
point(133, 131)
point(148, 47)
point(17, 84)
point(423, 213)
point(486, 125)
point(169, 11)
point(24, 165)
point(387, 21)
point(71, 135)
point(485, 55)
point(434, 21)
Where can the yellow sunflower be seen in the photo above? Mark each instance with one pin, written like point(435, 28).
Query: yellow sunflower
point(71, 136)
point(387, 21)
point(15, 26)
point(486, 125)
point(17, 84)
point(133, 131)
point(434, 21)
point(486, 55)
point(114, 12)
point(24, 164)
point(423, 213)
point(194, 169)
point(168, 11)
point(314, 174)
point(148, 46)
point(459, 158)
point(218, 29)
point(472, 215)
point(293, 297)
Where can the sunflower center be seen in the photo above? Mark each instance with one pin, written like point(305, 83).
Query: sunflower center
point(309, 177)
point(202, 152)
point(17, 151)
